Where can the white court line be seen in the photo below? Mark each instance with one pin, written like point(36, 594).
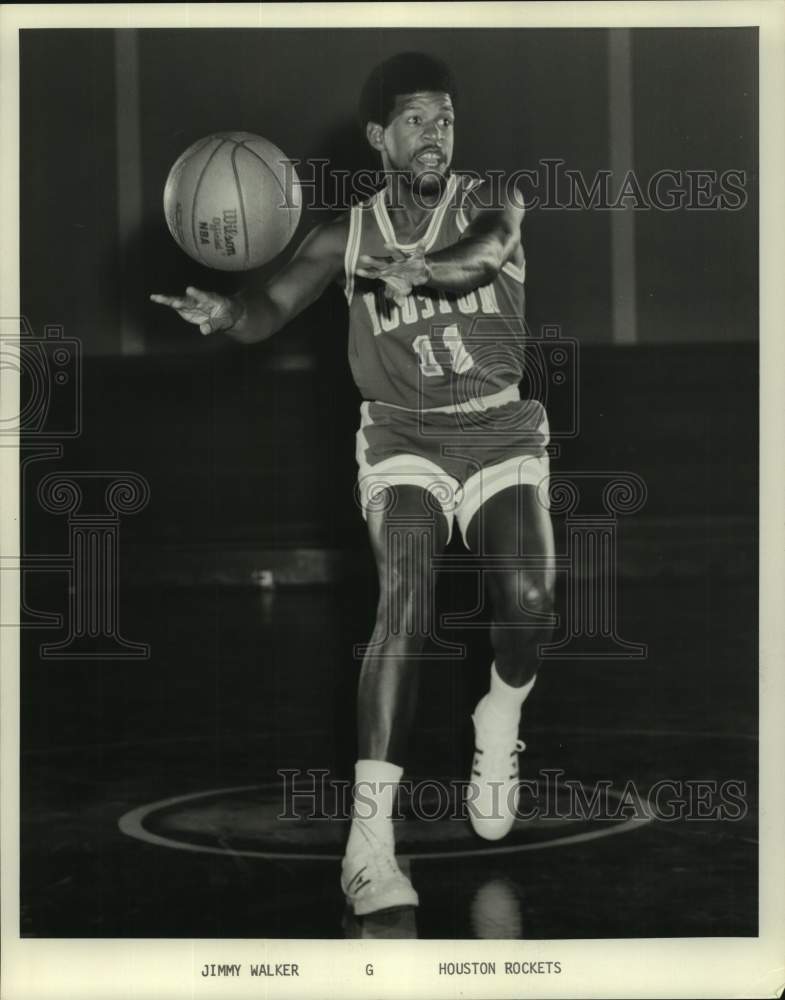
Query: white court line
point(132, 824)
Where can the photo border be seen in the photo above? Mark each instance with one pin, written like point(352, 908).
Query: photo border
point(34, 969)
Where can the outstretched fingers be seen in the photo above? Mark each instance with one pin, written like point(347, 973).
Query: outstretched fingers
point(194, 298)
point(171, 300)
point(202, 298)
point(396, 254)
point(371, 267)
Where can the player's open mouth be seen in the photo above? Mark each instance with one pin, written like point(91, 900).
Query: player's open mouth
point(430, 157)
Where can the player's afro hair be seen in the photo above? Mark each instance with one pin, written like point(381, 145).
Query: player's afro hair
point(405, 73)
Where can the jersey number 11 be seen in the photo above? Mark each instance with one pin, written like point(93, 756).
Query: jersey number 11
point(460, 359)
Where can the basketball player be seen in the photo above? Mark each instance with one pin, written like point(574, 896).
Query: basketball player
point(433, 274)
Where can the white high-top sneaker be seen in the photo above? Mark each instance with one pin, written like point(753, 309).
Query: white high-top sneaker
point(371, 879)
point(492, 798)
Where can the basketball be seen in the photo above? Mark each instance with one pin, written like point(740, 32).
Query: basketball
point(232, 201)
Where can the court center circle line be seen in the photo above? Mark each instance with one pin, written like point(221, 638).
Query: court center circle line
point(132, 825)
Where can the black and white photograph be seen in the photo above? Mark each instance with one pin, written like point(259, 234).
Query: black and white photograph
point(392, 550)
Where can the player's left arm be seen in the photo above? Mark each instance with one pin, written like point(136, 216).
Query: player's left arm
point(492, 238)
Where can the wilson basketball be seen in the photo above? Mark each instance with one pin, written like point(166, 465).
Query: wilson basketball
point(232, 201)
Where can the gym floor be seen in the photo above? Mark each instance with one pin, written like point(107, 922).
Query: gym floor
point(150, 788)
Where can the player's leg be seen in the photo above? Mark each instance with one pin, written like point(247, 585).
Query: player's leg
point(513, 524)
point(405, 535)
point(404, 539)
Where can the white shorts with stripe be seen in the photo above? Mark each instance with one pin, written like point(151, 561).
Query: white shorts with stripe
point(462, 455)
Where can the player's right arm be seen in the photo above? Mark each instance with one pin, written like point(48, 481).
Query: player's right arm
point(257, 314)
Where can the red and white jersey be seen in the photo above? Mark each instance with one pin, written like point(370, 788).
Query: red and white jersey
point(437, 349)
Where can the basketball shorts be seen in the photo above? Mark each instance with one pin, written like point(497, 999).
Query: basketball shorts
point(461, 455)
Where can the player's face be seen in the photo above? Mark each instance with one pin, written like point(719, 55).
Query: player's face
point(419, 137)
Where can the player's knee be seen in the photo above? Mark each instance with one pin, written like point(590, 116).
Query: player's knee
point(528, 595)
point(538, 595)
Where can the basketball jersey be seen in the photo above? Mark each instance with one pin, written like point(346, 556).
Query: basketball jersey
point(437, 348)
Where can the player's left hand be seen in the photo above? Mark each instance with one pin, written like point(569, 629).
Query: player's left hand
point(399, 272)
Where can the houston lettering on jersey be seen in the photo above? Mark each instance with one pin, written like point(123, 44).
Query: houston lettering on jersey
point(385, 316)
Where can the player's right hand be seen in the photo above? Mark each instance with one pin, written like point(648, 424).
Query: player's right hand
point(207, 310)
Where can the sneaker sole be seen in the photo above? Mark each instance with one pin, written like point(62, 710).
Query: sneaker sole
point(396, 898)
point(490, 829)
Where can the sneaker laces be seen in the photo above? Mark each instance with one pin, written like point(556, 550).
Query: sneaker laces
point(495, 747)
point(376, 856)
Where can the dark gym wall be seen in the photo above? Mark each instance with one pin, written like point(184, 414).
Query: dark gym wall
point(696, 108)
point(67, 143)
point(524, 96)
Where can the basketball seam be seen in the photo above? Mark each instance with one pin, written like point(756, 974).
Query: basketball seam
point(196, 198)
point(204, 143)
point(242, 203)
point(180, 164)
point(274, 175)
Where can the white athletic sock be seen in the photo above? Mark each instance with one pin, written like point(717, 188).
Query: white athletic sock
point(374, 800)
point(504, 700)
